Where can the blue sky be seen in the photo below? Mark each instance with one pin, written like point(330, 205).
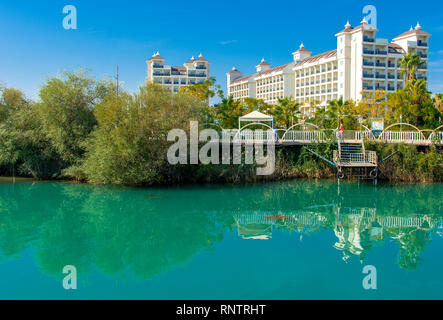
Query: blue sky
point(34, 45)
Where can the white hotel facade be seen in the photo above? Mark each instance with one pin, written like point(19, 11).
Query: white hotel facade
point(194, 71)
point(360, 62)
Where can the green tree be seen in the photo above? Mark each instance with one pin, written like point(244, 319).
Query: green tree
point(204, 91)
point(286, 112)
point(252, 104)
point(67, 111)
point(10, 99)
point(410, 63)
point(438, 99)
point(129, 145)
point(24, 148)
point(227, 112)
point(414, 105)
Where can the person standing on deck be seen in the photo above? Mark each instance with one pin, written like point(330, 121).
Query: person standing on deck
point(342, 133)
point(276, 134)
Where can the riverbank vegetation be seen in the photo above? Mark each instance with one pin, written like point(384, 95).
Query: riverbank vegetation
point(83, 129)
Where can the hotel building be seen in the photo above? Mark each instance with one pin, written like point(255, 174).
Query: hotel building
point(194, 71)
point(361, 62)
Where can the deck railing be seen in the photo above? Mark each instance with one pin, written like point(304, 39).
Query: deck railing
point(321, 136)
point(358, 157)
point(311, 136)
point(255, 136)
point(402, 136)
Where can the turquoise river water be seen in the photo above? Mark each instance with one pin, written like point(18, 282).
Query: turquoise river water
point(289, 240)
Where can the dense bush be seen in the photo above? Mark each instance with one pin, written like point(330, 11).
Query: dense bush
point(129, 145)
point(40, 139)
point(409, 163)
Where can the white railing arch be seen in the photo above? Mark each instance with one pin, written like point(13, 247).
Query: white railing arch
point(255, 136)
point(437, 135)
point(304, 135)
point(402, 136)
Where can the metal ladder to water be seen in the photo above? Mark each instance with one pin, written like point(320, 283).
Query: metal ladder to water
point(351, 152)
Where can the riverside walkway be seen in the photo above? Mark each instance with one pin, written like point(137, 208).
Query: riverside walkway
point(308, 134)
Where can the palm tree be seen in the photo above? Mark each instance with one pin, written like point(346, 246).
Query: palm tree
point(410, 63)
point(227, 112)
point(286, 111)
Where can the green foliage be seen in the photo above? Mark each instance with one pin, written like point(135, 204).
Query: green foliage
point(286, 113)
point(24, 148)
point(40, 139)
point(415, 105)
point(204, 91)
point(336, 111)
point(410, 163)
point(67, 111)
point(129, 145)
point(227, 112)
point(410, 63)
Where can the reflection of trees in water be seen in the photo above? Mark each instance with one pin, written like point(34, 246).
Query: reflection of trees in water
point(116, 231)
point(144, 232)
point(390, 213)
point(357, 230)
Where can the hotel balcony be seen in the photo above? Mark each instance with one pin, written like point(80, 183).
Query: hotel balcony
point(368, 63)
point(380, 64)
point(421, 44)
point(161, 74)
point(197, 75)
point(368, 51)
point(380, 88)
point(391, 65)
point(366, 88)
point(158, 66)
point(420, 77)
point(381, 52)
point(380, 76)
point(391, 88)
point(368, 39)
point(391, 76)
point(368, 75)
point(201, 68)
point(422, 55)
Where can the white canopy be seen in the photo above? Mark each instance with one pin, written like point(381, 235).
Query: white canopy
point(256, 116)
